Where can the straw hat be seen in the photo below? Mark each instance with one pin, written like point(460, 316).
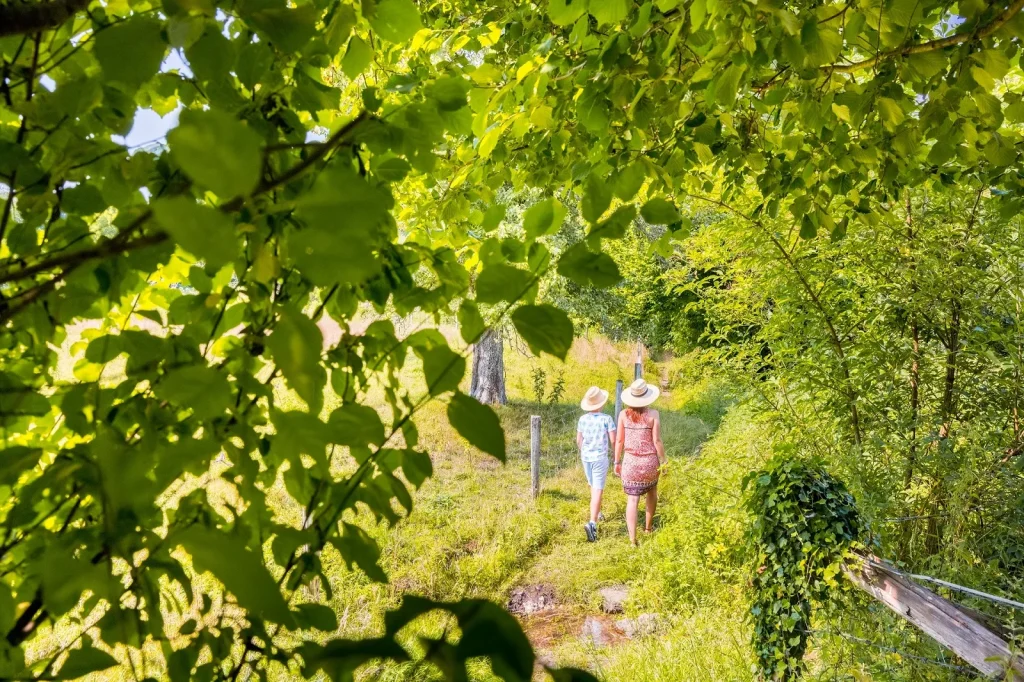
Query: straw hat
point(640, 394)
point(594, 399)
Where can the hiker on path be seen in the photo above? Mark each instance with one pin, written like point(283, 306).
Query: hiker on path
point(639, 453)
point(595, 432)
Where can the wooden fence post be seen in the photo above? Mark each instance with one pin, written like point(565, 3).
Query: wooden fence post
point(535, 455)
point(618, 399)
point(945, 622)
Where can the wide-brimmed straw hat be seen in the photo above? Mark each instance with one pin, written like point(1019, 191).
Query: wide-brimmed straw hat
point(594, 399)
point(640, 394)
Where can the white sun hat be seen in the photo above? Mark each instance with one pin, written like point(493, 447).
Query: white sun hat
point(640, 394)
point(594, 399)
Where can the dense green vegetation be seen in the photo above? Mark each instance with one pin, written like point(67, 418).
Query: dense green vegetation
point(198, 483)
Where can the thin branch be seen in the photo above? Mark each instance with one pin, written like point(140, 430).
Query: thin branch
point(32, 17)
point(933, 45)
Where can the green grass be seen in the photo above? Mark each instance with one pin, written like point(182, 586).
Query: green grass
point(476, 532)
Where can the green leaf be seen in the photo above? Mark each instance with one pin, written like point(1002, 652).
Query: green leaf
point(131, 51)
point(587, 268)
point(345, 217)
point(487, 631)
point(499, 282)
point(566, 12)
point(822, 42)
point(478, 424)
point(212, 57)
point(204, 232)
point(340, 658)
point(392, 170)
point(316, 616)
point(615, 225)
point(727, 85)
point(545, 328)
point(356, 425)
point(289, 28)
point(609, 11)
point(85, 661)
point(493, 216)
point(449, 92)
point(396, 20)
point(596, 199)
point(808, 230)
point(594, 110)
point(357, 57)
point(240, 570)
point(296, 344)
point(442, 368)
point(357, 548)
point(471, 323)
point(201, 388)
point(659, 211)
point(543, 218)
point(889, 112)
point(181, 662)
point(217, 151)
point(571, 675)
point(629, 181)
point(698, 12)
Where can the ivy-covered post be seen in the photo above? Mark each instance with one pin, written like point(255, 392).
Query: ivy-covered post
point(804, 523)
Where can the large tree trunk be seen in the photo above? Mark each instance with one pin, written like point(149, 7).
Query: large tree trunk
point(488, 382)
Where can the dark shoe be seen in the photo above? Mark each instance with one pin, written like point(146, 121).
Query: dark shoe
point(600, 516)
point(591, 529)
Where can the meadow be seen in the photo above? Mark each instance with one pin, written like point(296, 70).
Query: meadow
point(475, 531)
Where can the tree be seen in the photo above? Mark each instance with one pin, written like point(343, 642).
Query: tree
point(488, 379)
point(800, 122)
point(188, 278)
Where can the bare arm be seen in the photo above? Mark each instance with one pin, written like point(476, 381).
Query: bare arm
point(620, 438)
point(659, 445)
point(579, 440)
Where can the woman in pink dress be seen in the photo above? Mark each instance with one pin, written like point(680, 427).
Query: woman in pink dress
point(639, 452)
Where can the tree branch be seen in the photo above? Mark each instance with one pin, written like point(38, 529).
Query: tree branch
point(121, 243)
point(32, 17)
point(933, 45)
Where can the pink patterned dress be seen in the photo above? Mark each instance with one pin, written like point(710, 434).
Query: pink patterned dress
point(640, 459)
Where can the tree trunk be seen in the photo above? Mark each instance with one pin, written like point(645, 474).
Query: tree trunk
point(488, 382)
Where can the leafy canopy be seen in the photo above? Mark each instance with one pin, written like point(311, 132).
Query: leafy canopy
point(332, 155)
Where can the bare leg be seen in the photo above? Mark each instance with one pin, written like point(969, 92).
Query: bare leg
point(652, 505)
point(595, 503)
point(632, 502)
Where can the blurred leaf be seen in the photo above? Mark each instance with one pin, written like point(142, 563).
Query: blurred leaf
point(478, 424)
point(396, 20)
point(545, 328)
point(543, 218)
point(218, 151)
point(240, 570)
point(202, 231)
point(471, 324)
point(500, 282)
point(201, 388)
point(316, 616)
point(296, 344)
point(659, 211)
point(587, 268)
point(85, 661)
point(357, 57)
point(130, 52)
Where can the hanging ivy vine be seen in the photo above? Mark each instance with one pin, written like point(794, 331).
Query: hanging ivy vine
point(804, 524)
